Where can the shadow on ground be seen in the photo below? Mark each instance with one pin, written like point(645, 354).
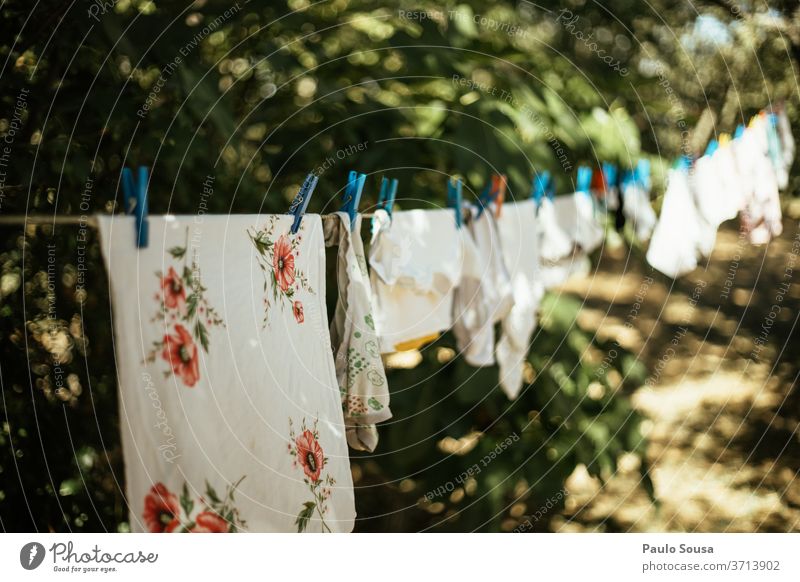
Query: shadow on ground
point(722, 399)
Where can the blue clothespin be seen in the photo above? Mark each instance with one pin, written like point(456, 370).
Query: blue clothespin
point(610, 174)
point(454, 198)
point(713, 146)
point(540, 187)
point(352, 195)
point(642, 174)
point(300, 202)
point(386, 196)
point(683, 164)
point(135, 201)
point(739, 131)
point(584, 179)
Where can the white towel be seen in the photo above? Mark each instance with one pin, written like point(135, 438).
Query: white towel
point(230, 413)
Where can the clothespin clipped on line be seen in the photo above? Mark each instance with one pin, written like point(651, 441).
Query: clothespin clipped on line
point(642, 174)
point(387, 194)
point(541, 187)
point(386, 197)
point(495, 192)
point(454, 198)
point(610, 174)
point(739, 131)
point(300, 202)
point(684, 163)
point(773, 119)
point(584, 179)
point(135, 201)
point(724, 139)
point(712, 147)
point(352, 195)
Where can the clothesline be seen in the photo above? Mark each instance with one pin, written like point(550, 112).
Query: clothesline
point(14, 219)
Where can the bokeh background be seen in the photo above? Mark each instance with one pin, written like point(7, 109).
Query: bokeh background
point(257, 94)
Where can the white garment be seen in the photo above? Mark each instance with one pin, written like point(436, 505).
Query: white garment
point(677, 236)
point(519, 239)
point(484, 295)
point(417, 260)
point(638, 211)
point(226, 378)
point(708, 196)
point(359, 368)
point(787, 140)
point(554, 243)
point(555, 273)
point(762, 217)
point(730, 183)
point(577, 216)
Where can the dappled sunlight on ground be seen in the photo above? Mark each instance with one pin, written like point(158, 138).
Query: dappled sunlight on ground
point(723, 416)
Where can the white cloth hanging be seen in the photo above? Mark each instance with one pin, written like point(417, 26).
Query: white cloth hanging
point(638, 211)
point(484, 295)
point(578, 217)
point(359, 368)
point(678, 233)
point(554, 243)
point(762, 217)
point(519, 239)
point(788, 145)
point(417, 260)
point(730, 182)
point(705, 188)
point(230, 413)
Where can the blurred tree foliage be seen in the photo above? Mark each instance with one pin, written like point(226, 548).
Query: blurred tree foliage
point(255, 95)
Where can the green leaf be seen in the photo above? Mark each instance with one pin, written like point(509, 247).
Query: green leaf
point(186, 501)
point(201, 334)
point(305, 516)
point(191, 305)
point(177, 252)
point(211, 494)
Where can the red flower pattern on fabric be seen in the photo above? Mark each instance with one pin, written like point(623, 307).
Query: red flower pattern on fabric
point(172, 290)
point(181, 353)
point(310, 455)
point(283, 263)
point(209, 522)
point(161, 510)
point(297, 309)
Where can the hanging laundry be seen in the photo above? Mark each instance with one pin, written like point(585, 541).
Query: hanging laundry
point(578, 216)
point(730, 181)
point(359, 368)
point(416, 259)
point(519, 238)
point(231, 416)
point(761, 217)
point(636, 208)
point(484, 295)
point(787, 139)
point(709, 200)
point(774, 148)
point(678, 234)
point(558, 255)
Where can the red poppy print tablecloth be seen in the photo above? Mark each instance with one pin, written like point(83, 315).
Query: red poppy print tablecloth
point(231, 414)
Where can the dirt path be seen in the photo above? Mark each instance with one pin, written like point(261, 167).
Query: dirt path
point(722, 402)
